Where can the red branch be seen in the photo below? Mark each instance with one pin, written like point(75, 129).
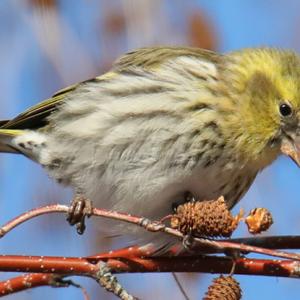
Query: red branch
point(89, 266)
point(139, 259)
point(32, 280)
point(48, 264)
point(200, 244)
point(23, 282)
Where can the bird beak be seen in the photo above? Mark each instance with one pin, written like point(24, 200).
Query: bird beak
point(291, 148)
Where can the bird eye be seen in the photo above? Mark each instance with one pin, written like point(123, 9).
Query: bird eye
point(285, 110)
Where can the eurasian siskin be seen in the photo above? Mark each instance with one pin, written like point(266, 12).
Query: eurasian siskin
point(163, 122)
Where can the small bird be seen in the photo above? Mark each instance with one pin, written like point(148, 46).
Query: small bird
point(164, 122)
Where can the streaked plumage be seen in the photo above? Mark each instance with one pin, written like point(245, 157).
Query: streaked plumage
point(164, 121)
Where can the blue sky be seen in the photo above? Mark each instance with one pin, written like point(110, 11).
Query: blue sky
point(28, 74)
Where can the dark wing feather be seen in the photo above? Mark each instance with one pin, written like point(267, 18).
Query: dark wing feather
point(36, 116)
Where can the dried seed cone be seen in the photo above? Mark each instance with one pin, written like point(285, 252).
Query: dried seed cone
point(224, 288)
point(259, 220)
point(205, 218)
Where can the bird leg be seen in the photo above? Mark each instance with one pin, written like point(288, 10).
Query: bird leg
point(80, 208)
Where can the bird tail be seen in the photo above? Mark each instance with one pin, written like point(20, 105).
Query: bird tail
point(6, 137)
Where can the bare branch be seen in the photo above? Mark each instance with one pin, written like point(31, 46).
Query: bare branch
point(90, 266)
point(101, 267)
point(32, 280)
point(199, 244)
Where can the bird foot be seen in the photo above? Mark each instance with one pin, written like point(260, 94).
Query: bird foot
point(188, 242)
point(80, 208)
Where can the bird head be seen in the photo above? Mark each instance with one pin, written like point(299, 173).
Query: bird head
point(265, 93)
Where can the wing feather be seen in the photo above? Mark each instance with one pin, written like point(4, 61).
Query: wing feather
point(35, 117)
point(153, 56)
point(144, 58)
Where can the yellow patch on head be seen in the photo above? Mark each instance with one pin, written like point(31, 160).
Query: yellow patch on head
point(260, 80)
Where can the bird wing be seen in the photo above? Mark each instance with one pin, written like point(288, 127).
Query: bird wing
point(152, 57)
point(144, 58)
point(35, 116)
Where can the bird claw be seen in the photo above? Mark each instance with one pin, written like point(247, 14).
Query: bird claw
point(188, 242)
point(80, 208)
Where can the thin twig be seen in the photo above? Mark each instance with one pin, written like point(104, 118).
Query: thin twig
point(33, 280)
point(201, 244)
point(184, 294)
point(138, 259)
point(110, 282)
point(24, 282)
point(271, 242)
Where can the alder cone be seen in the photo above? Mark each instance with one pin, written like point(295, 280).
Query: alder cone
point(259, 220)
point(224, 288)
point(206, 218)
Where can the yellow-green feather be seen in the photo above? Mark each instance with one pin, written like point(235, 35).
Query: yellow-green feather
point(259, 80)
